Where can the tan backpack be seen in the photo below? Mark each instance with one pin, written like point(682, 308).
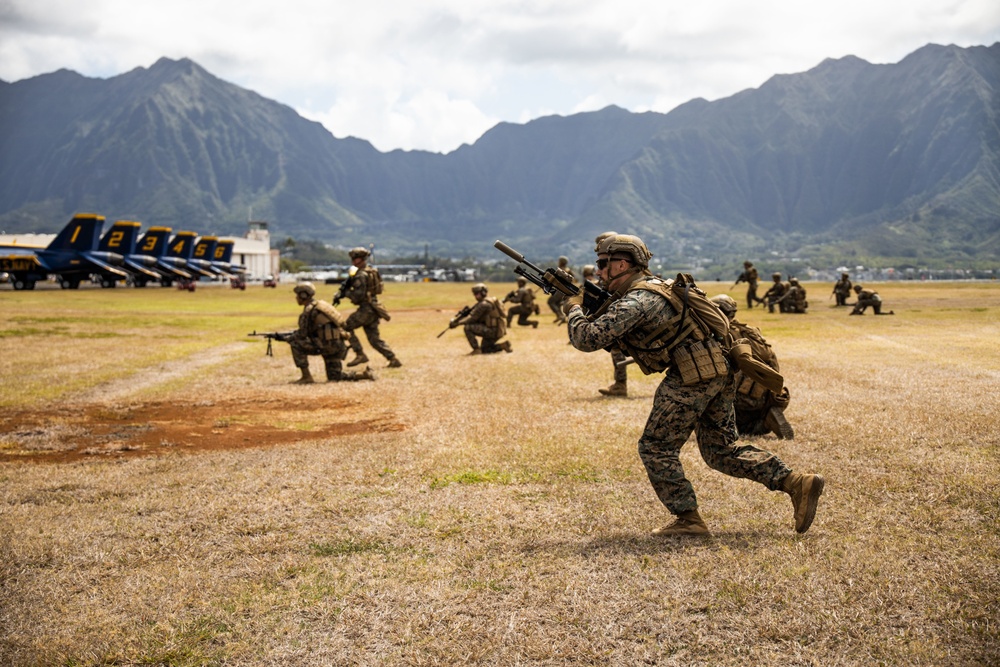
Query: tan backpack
point(374, 281)
point(497, 318)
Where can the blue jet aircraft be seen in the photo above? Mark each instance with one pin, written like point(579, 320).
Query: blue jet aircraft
point(204, 251)
point(122, 238)
point(182, 246)
point(72, 255)
point(223, 258)
point(154, 243)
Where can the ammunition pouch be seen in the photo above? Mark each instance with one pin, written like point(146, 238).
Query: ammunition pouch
point(700, 361)
point(748, 387)
point(741, 354)
point(380, 309)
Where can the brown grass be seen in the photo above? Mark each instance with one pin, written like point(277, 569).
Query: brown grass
point(169, 499)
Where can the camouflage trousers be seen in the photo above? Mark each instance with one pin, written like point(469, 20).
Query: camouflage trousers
point(333, 357)
point(862, 305)
point(706, 409)
point(367, 319)
point(522, 313)
point(487, 333)
point(752, 295)
point(555, 303)
point(621, 372)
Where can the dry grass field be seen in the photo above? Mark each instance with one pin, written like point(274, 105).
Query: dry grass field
point(167, 497)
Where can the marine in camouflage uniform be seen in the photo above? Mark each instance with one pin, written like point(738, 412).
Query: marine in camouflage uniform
point(557, 298)
point(641, 320)
point(758, 409)
point(363, 293)
point(749, 276)
point(618, 388)
point(794, 300)
point(868, 297)
point(773, 297)
point(486, 320)
point(524, 306)
point(320, 332)
point(842, 289)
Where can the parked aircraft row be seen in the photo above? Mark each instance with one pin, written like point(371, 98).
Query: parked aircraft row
point(79, 251)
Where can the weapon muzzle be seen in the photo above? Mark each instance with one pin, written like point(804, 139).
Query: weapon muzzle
point(510, 252)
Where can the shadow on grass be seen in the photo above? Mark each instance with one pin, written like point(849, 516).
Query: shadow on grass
point(626, 544)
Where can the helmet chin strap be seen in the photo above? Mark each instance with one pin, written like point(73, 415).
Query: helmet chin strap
point(630, 269)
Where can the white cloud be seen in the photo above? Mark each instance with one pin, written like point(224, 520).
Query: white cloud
point(438, 73)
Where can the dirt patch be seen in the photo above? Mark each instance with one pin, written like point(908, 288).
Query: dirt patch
point(155, 428)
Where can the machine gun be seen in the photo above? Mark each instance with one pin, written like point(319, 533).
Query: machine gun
point(273, 335)
point(344, 286)
point(552, 280)
point(454, 321)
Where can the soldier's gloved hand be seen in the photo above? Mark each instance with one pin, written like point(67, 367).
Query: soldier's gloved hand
point(452, 323)
point(570, 301)
point(336, 300)
point(283, 338)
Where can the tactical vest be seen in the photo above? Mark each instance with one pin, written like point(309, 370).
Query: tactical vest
point(695, 339)
point(325, 324)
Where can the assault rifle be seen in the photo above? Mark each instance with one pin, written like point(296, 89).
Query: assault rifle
point(454, 321)
point(552, 280)
point(281, 336)
point(344, 286)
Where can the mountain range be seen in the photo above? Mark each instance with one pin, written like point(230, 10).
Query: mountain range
point(847, 160)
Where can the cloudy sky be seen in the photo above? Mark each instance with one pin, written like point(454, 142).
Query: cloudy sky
point(433, 74)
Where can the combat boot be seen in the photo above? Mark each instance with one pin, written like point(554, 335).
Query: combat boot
point(306, 378)
point(534, 325)
point(805, 491)
point(505, 346)
point(394, 363)
point(360, 358)
point(367, 374)
point(617, 389)
point(686, 523)
point(776, 423)
point(476, 350)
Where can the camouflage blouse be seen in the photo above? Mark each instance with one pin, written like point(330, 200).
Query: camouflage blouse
point(631, 318)
point(480, 311)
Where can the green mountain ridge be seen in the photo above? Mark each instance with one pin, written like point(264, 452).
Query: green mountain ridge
point(848, 158)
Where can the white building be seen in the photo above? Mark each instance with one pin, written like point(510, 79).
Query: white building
point(255, 253)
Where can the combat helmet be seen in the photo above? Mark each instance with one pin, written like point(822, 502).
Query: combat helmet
point(776, 276)
point(480, 288)
point(355, 253)
point(589, 270)
point(601, 237)
point(563, 262)
point(626, 246)
point(726, 304)
point(857, 288)
point(521, 282)
point(748, 263)
point(305, 288)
